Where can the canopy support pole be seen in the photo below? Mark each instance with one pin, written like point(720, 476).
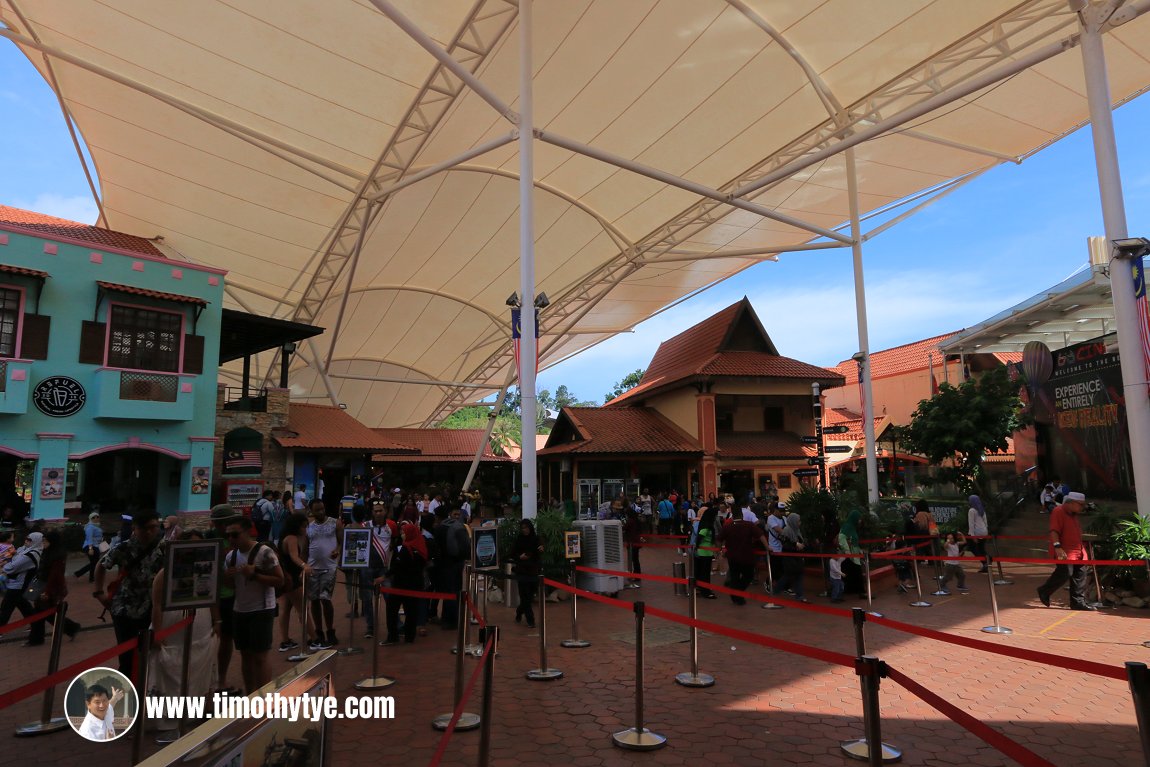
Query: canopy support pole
point(691, 186)
point(381, 379)
point(313, 360)
point(361, 235)
point(491, 417)
point(864, 336)
point(459, 159)
point(528, 343)
point(1091, 19)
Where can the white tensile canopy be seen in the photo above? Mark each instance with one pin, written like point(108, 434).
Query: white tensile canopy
point(348, 178)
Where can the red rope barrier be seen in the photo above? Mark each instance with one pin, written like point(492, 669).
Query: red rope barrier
point(806, 554)
point(1092, 562)
point(475, 613)
point(25, 621)
point(417, 594)
point(163, 634)
point(1011, 748)
point(590, 595)
point(32, 688)
point(458, 712)
point(640, 576)
point(837, 612)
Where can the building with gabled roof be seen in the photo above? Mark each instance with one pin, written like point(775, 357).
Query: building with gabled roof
point(718, 409)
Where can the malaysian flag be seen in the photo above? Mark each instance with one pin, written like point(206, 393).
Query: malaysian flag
point(243, 459)
point(1140, 300)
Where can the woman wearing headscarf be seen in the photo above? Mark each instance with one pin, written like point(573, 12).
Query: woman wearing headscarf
point(50, 572)
point(793, 542)
point(703, 542)
point(849, 545)
point(977, 529)
point(527, 553)
point(406, 572)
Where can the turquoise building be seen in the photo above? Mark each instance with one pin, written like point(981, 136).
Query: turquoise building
point(108, 359)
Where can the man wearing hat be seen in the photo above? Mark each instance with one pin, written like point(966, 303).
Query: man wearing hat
point(1066, 546)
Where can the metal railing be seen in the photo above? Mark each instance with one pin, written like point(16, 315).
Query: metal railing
point(250, 401)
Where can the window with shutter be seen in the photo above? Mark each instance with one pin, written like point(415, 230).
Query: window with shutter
point(9, 320)
point(144, 339)
point(92, 342)
point(34, 336)
point(193, 354)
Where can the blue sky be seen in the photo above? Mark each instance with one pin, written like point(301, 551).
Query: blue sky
point(1001, 239)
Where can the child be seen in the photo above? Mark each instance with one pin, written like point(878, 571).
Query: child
point(836, 573)
point(953, 545)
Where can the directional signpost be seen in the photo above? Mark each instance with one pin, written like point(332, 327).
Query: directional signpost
point(840, 429)
point(817, 460)
point(809, 440)
point(806, 472)
point(839, 449)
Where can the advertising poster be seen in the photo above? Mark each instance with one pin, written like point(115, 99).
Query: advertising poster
point(1083, 406)
point(201, 480)
point(51, 483)
point(573, 545)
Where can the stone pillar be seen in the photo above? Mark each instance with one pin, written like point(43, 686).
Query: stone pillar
point(708, 468)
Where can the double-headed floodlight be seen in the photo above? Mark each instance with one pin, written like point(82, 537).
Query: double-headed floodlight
point(513, 300)
point(1131, 247)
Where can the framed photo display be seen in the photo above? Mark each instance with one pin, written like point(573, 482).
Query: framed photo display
point(192, 574)
point(356, 551)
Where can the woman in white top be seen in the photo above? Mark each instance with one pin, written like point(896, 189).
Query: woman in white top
point(976, 527)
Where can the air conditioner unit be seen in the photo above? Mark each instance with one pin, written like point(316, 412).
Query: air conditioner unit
point(602, 546)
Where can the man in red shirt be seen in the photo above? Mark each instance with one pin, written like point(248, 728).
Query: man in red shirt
point(1066, 545)
point(739, 539)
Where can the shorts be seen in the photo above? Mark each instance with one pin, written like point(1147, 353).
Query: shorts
point(321, 584)
point(253, 631)
point(227, 613)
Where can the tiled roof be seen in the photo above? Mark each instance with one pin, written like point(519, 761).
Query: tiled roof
point(1007, 456)
point(620, 430)
point(325, 427)
point(132, 290)
point(780, 445)
point(439, 445)
point(900, 359)
point(51, 227)
point(23, 271)
point(698, 351)
point(1008, 357)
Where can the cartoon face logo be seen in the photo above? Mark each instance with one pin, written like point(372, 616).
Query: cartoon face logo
point(59, 396)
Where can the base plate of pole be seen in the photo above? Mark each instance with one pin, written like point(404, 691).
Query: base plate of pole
point(773, 606)
point(467, 721)
point(349, 651)
point(374, 683)
point(858, 749)
point(940, 593)
point(1003, 582)
point(574, 643)
point(544, 674)
point(638, 740)
point(687, 679)
point(42, 728)
point(997, 630)
point(921, 603)
point(874, 613)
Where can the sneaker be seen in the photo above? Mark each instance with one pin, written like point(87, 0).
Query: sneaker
point(288, 645)
point(1044, 597)
point(319, 644)
point(964, 589)
point(369, 634)
point(167, 736)
point(331, 640)
point(389, 642)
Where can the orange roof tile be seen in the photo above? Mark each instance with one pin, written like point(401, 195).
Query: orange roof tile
point(617, 430)
point(134, 291)
point(325, 427)
point(439, 445)
point(899, 359)
point(51, 227)
point(704, 350)
point(23, 271)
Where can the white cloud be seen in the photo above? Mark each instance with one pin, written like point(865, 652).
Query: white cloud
point(80, 208)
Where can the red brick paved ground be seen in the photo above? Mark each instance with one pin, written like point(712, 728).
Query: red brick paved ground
point(766, 707)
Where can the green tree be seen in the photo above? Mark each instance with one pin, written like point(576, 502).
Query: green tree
point(630, 381)
point(961, 424)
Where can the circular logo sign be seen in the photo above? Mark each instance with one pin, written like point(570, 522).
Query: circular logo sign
point(59, 396)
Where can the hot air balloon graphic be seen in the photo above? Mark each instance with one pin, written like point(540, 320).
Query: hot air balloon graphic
point(1037, 364)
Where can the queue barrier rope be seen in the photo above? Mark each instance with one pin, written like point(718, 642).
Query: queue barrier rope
point(66, 674)
point(162, 634)
point(837, 612)
point(441, 749)
point(639, 576)
point(475, 613)
point(417, 594)
point(984, 732)
point(8, 627)
point(612, 601)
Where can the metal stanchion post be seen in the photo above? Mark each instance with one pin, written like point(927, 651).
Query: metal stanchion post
point(463, 612)
point(1094, 571)
point(1139, 679)
point(935, 550)
point(488, 697)
point(467, 721)
point(186, 654)
point(375, 681)
point(870, 671)
point(1002, 579)
point(351, 649)
point(694, 678)
point(639, 738)
point(544, 673)
point(997, 628)
point(47, 724)
point(143, 646)
point(575, 641)
point(858, 748)
point(869, 589)
point(303, 651)
point(920, 602)
point(770, 585)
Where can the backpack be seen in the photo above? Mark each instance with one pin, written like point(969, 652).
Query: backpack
point(253, 555)
point(260, 511)
point(458, 543)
